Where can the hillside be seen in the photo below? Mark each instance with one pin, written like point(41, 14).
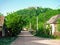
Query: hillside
point(24, 17)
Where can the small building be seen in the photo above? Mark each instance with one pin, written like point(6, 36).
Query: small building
point(53, 21)
point(1, 26)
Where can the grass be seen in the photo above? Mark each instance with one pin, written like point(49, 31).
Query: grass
point(6, 40)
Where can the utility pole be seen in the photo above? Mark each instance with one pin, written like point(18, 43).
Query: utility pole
point(37, 22)
point(37, 13)
point(30, 25)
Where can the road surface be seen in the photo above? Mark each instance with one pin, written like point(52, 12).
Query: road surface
point(25, 38)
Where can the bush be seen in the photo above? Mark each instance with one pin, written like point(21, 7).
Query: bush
point(43, 32)
point(14, 24)
point(7, 40)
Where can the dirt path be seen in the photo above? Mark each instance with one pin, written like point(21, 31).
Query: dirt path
point(25, 38)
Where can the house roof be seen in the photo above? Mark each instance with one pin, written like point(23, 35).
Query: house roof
point(53, 19)
point(1, 20)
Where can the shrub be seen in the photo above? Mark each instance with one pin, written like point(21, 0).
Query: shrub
point(43, 32)
point(14, 24)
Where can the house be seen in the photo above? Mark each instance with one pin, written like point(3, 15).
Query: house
point(1, 26)
point(53, 21)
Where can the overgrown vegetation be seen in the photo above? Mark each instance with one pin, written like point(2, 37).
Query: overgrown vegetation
point(14, 24)
point(16, 20)
point(6, 40)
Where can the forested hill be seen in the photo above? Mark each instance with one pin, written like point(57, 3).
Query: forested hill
point(42, 13)
point(36, 11)
point(15, 21)
point(28, 15)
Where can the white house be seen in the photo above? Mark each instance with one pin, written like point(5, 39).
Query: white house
point(53, 23)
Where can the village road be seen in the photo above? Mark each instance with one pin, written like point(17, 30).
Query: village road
point(25, 38)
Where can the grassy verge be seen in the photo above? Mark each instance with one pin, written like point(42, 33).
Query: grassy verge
point(6, 40)
point(43, 35)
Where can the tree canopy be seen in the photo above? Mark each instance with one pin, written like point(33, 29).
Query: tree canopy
point(23, 17)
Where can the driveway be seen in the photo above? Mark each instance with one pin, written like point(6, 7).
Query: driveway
point(25, 38)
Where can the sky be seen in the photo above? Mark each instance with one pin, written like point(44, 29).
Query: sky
point(7, 6)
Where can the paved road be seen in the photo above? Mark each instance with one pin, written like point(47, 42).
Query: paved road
point(25, 38)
